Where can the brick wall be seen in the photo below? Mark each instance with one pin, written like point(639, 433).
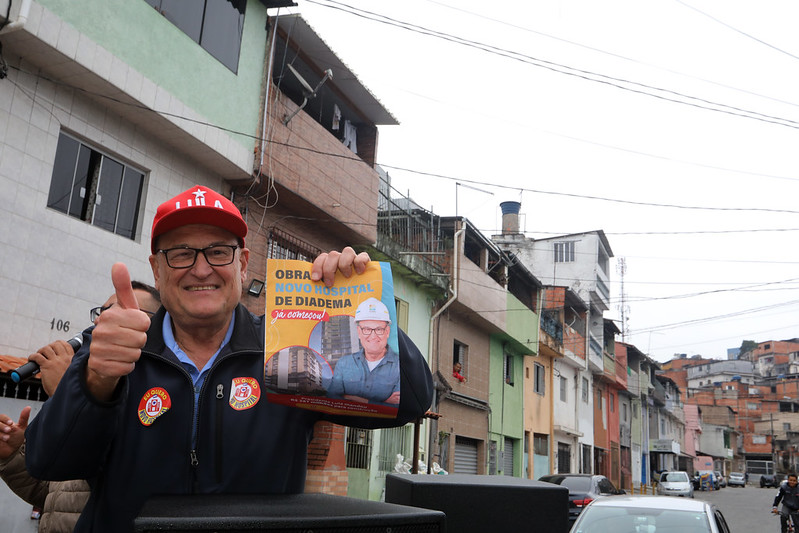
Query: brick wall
point(327, 470)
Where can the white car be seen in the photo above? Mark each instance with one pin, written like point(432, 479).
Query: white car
point(737, 479)
point(675, 484)
point(650, 514)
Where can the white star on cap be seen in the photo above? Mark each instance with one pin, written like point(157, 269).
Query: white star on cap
point(199, 194)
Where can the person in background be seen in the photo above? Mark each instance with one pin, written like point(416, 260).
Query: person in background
point(788, 494)
point(60, 502)
point(456, 372)
point(372, 374)
point(150, 406)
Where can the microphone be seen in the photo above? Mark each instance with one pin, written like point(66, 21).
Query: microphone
point(30, 368)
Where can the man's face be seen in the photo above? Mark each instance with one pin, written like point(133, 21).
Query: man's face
point(372, 342)
point(201, 294)
point(792, 481)
point(146, 302)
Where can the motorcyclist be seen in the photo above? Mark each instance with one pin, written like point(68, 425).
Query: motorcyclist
point(788, 494)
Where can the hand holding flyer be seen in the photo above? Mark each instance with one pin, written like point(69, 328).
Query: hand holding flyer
point(332, 349)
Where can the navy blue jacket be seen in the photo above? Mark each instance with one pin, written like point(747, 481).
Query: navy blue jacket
point(260, 449)
point(789, 496)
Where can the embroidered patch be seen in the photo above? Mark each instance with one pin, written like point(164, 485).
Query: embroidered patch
point(244, 393)
point(153, 404)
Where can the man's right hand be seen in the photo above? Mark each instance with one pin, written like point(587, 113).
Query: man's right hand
point(117, 339)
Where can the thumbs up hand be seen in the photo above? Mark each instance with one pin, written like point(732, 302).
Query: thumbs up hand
point(117, 339)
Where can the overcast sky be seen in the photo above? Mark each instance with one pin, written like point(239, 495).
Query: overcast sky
point(672, 125)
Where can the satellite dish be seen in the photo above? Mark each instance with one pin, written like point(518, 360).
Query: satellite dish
point(309, 93)
point(304, 83)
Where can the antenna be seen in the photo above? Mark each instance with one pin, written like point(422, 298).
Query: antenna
point(624, 309)
point(308, 93)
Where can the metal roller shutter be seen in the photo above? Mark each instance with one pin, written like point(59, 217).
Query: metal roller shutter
point(465, 456)
point(507, 457)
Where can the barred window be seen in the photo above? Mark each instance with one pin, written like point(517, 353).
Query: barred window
point(394, 441)
point(282, 245)
point(358, 447)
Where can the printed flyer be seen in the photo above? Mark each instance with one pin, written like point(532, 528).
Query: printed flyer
point(331, 349)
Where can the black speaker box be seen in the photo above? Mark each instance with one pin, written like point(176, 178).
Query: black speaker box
point(481, 504)
point(319, 513)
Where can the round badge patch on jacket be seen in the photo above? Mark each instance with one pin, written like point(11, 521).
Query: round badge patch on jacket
point(153, 404)
point(244, 393)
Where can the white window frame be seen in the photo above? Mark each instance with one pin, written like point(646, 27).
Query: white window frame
point(564, 251)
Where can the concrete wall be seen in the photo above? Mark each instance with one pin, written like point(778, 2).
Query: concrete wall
point(137, 35)
point(54, 267)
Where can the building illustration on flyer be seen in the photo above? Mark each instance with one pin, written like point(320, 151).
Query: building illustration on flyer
point(331, 349)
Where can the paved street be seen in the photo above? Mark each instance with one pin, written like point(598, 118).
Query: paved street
point(746, 510)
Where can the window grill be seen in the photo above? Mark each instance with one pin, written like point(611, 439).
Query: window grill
point(358, 447)
point(281, 245)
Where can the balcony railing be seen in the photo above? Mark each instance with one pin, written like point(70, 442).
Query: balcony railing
point(551, 325)
point(403, 222)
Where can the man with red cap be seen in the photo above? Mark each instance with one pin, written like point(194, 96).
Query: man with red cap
point(151, 406)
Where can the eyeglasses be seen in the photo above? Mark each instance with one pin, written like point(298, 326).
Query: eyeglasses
point(185, 257)
point(95, 312)
point(369, 331)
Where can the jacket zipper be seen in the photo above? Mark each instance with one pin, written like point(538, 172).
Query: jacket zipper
point(193, 459)
point(220, 397)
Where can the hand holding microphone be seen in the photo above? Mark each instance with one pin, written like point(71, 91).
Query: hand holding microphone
point(31, 367)
point(54, 358)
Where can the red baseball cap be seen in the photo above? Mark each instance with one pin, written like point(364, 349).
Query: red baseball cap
point(198, 205)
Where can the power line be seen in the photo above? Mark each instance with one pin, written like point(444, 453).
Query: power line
point(612, 54)
point(737, 30)
point(589, 197)
point(620, 83)
point(713, 318)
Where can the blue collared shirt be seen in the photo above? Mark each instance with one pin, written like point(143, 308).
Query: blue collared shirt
point(197, 375)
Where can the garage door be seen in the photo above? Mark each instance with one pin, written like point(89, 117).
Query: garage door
point(507, 457)
point(465, 456)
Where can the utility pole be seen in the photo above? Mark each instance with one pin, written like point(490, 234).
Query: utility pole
point(621, 268)
point(773, 445)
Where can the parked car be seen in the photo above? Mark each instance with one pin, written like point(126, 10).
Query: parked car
point(721, 478)
point(769, 480)
point(583, 489)
point(675, 484)
point(625, 514)
point(737, 479)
